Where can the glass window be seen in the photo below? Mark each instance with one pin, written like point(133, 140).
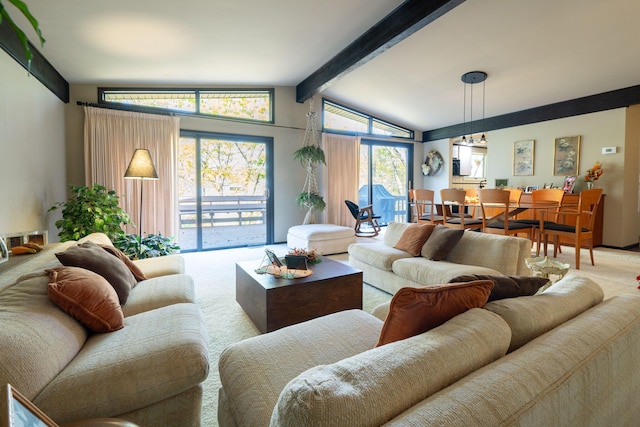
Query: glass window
point(338, 118)
point(176, 101)
point(253, 104)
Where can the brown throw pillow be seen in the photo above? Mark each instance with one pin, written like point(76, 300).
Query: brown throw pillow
point(87, 297)
point(414, 311)
point(441, 241)
point(413, 237)
point(92, 257)
point(507, 286)
point(135, 270)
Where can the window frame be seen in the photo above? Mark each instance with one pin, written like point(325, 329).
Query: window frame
point(143, 108)
point(370, 126)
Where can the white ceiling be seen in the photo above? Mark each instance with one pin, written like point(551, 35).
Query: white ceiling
point(534, 52)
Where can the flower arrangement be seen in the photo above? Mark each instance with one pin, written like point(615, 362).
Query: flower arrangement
point(638, 280)
point(594, 173)
point(312, 254)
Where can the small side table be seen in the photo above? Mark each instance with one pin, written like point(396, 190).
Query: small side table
point(542, 266)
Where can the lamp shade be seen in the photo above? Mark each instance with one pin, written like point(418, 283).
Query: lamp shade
point(141, 166)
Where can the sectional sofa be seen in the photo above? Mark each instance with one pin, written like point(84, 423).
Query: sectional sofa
point(564, 357)
point(148, 370)
point(388, 268)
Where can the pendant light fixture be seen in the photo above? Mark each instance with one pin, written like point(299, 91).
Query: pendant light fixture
point(471, 78)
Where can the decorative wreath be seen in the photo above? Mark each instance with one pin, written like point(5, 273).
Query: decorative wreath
point(433, 164)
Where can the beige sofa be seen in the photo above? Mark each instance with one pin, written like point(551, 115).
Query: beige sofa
point(560, 358)
point(390, 269)
point(149, 372)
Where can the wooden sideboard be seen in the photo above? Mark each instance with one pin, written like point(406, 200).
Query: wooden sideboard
point(571, 200)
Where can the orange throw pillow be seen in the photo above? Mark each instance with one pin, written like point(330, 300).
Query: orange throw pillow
point(413, 237)
point(87, 297)
point(414, 311)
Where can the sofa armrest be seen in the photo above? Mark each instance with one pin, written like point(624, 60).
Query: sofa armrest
point(253, 372)
point(161, 266)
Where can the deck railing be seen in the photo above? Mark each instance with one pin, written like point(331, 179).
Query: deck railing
point(223, 210)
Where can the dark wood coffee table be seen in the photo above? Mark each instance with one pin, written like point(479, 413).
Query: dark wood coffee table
point(273, 302)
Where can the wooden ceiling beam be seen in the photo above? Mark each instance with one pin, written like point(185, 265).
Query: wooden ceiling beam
point(405, 20)
point(589, 104)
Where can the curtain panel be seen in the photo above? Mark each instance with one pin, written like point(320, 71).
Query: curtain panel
point(110, 138)
point(340, 180)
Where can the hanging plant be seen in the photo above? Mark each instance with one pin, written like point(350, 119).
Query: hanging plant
point(310, 155)
point(313, 200)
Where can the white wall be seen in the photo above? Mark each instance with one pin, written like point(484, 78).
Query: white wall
point(32, 151)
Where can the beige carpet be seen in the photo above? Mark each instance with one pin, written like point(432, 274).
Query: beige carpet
point(214, 275)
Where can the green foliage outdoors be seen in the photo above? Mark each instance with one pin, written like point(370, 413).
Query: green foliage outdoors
point(5, 18)
point(90, 210)
point(153, 245)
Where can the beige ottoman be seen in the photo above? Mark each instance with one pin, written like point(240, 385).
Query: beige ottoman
point(325, 238)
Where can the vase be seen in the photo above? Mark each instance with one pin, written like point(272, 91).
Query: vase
point(590, 185)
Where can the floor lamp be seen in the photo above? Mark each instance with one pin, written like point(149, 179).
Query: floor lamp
point(141, 167)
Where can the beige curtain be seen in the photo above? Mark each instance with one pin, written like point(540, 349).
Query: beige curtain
point(340, 177)
point(110, 138)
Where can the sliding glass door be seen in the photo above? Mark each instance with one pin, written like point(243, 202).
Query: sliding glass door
point(224, 188)
point(384, 178)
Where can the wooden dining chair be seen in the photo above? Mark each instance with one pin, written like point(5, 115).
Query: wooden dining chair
point(413, 209)
point(562, 224)
point(514, 195)
point(425, 206)
point(547, 199)
point(495, 207)
point(451, 197)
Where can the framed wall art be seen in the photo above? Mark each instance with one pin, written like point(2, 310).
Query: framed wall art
point(17, 411)
point(523, 157)
point(4, 252)
point(566, 155)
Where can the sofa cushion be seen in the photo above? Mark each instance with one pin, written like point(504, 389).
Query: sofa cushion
point(87, 297)
point(413, 237)
point(157, 355)
point(532, 316)
point(393, 232)
point(92, 257)
point(504, 254)
point(416, 310)
point(377, 254)
point(441, 241)
point(135, 270)
point(161, 266)
point(97, 238)
point(372, 387)
point(507, 286)
point(253, 378)
point(160, 292)
point(422, 271)
point(35, 335)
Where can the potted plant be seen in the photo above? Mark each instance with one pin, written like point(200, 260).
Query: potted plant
point(153, 245)
point(90, 210)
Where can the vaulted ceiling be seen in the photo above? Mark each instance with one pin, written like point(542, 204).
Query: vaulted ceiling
point(407, 69)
